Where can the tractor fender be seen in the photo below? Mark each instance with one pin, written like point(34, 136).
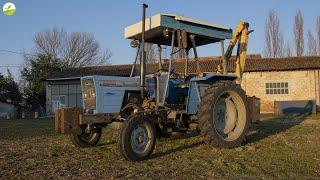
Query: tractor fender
point(197, 87)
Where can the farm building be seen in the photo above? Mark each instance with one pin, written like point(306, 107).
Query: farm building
point(7, 110)
point(280, 83)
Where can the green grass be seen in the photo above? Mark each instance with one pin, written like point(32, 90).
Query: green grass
point(313, 116)
point(275, 148)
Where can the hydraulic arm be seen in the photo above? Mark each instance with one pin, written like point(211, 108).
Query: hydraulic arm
point(240, 36)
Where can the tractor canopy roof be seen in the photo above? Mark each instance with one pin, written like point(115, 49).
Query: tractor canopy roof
point(205, 33)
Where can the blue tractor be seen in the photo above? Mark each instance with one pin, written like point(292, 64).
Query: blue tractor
point(157, 104)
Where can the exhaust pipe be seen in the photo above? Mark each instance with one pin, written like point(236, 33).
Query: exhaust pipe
point(143, 53)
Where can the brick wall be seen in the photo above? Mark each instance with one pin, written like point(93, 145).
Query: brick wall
point(302, 85)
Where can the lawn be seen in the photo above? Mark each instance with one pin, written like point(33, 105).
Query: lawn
point(275, 148)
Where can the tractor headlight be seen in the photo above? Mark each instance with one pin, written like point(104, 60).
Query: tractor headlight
point(88, 93)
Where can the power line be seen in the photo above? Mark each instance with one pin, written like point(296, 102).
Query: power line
point(1, 66)
point(16, 52)
point(11, 65)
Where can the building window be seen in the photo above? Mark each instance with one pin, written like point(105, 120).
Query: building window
point(277, 88)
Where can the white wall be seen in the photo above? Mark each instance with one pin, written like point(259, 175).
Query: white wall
point(303, 85)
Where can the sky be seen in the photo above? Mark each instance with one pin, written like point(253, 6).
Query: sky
point(106, 20)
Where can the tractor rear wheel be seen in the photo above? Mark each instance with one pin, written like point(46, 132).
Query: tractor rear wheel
point(224, 115)
point(87, 139)
point(137, 137)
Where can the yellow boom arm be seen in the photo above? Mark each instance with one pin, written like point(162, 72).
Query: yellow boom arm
point(240, 35)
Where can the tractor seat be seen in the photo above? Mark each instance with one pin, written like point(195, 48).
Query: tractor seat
point(185, 83)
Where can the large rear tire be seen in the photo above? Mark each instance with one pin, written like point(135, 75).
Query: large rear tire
point(137, 137)
point(224, 115)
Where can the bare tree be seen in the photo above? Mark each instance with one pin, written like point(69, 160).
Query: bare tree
point(298, 33)
point(151, 53)
point(287, 49)
point(312, 44)
point(76, 49)
point(318, 33)
point(273, 36)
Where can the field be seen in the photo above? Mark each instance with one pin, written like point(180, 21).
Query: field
point(276, 148)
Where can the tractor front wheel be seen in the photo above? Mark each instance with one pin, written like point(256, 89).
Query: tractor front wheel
point(87, 139)
point(137, 137)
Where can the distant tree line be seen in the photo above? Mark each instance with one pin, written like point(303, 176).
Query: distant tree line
point(9, 89)
point(276, 46)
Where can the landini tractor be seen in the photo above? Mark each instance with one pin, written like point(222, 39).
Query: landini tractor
point(156, 105)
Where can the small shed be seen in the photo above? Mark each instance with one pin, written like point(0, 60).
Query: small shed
point(7, 110)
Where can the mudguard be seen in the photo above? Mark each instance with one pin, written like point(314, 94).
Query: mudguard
point(197, 87)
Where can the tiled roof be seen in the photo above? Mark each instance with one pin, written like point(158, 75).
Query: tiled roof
point(106, 70)
point(254, 63)
point(283, 64)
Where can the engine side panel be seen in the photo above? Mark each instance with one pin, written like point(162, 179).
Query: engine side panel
point(110, 92)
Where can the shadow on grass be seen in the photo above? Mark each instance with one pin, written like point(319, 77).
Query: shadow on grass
point(264, 129)
point(186, 135)
point(273, 126)
point(179, 136)
point(174, 150)
point(107, 143)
